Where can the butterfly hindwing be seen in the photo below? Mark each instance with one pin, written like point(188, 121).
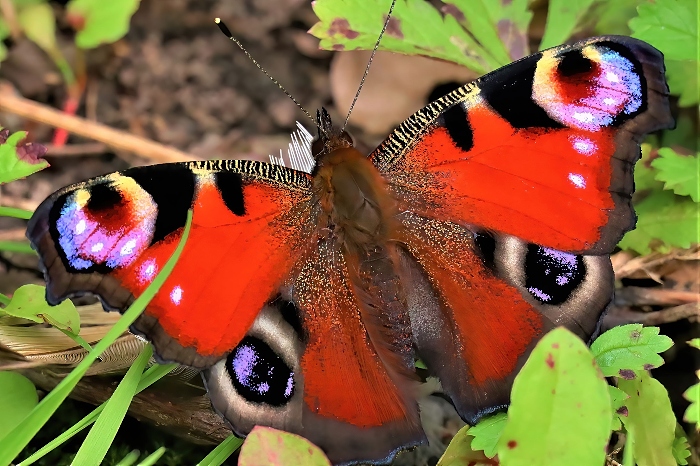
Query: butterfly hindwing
point(111, 235)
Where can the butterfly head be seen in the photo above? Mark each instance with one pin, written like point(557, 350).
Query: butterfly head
point(329, 138)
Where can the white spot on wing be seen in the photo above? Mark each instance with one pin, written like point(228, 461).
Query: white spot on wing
point(578, 180)
point(97, 247)
point(176, 295)
point(80, 227)
point(128, 248)
point(612, 77)
point(583, 117)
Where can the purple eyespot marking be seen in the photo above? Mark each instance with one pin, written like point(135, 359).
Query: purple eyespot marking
point(290, 385)
point(583, 145)
point(539, 293)
point(176, 295)
point(243, 363)
point(578, 180)
point(264, 387)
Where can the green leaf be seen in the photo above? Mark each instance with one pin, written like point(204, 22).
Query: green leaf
point(682, 77)
point(692, 413)
point(680, 173)
point(617, 402)
point(487, 433)
point(94, 448)
point(153, 458)
point(17, 399)
point(12, 444)
point(695, 343)
point(39, 25)
point(17, 246)
point(644, 174)
point(612, 17)
point(15, 212)
point(560, 407)
point(222, 451)
point(99, 22)
point(29, 302)
point(622, 350)
point(669, 25)
point(461, 451)
point(265, 446)
point(15, 165)
point(685, 134)
point(131, 458)
point(416, 28)
point(562, 18)
point(681, 448)
point(651, 419)
point(665, 221)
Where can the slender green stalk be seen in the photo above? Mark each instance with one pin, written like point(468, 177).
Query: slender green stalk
point(222, 451)
point(129, 459)
point(76, 338)
point(13, 443)
point(15, 212)
point(628, 452)
point(4, 300)
point(151, 459)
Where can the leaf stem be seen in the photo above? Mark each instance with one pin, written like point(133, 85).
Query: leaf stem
point(15, 213)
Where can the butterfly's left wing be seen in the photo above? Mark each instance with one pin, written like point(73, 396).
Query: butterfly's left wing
point(111, 235)
point(512, 190)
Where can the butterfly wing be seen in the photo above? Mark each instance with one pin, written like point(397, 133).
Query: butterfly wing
point(112, 234)
point(512, 190)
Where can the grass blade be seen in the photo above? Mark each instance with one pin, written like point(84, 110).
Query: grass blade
point(222, 451)
point(129, 459)
point(15, 212)
point(13, 443)
point(153, 457)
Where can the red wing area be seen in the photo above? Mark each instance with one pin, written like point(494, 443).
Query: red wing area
point(351, 399)
point(112, 235)
point(542, 149)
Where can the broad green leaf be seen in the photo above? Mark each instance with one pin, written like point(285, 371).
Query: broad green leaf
point(682, 76)
point(650, 417)
point(685, 134)
point(681, 448)
point(473, 15)
point(664, 221)
point(17, 399)
point(101, 435)
point(692, 413)
point(265, 446)
point(617, 402)
point(695, 343)
point(612, 17)
point(13, 443)
point(222, 451)
point(29, 302)
point(16, 163)
point(487, 432)
point(461, 451)
point(560, 407)
point(99, 22)
point(562, 18)
point(622, 350)
point(39, 25)
point(512, 19)
point(644, 174)
point(669, 25)
point(680, 173)
point(416, 28)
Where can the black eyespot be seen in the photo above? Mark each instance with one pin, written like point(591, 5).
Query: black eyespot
point(103, 196)
point(486, 248)
point(456, 121)
point(259, 374)
point(573, 63)
point(550, 275)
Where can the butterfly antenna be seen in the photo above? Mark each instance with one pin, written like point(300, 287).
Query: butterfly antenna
point(371, 57)
point(227, 33)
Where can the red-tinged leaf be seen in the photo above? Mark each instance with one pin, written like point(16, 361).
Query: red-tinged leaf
point(266, 446)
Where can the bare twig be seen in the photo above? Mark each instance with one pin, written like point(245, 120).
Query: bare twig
point(621, 316)
point(116, 139)
point(71, 150)
point(638, 296)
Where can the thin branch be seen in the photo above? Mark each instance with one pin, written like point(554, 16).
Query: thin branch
point(114, 138)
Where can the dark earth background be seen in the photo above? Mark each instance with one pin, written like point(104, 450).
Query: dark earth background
point(177, 80)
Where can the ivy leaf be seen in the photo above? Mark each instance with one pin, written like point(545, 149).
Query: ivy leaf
point(487, 433)
point(29, 303)
point(617, 402)
point(681, 448)
point(19, 160)
point(416, 28)
point(651, 419)
point(665, 221)
point(682, 76)
point(558, 398)
point(99, 22)
point(18, 398)
point(666, 24)
point(692, 413)
point(461, 451)
point(622, 350)
point(680, 173)
point(562, 17)
point(265, 446)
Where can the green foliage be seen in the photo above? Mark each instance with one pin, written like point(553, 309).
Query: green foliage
point(222, 451)
point(627, 348)
point(692, 394)
point(651, 420)
point(617, 402)
point(100, 22)
point(562, 18)
point(665, 221)
point(18, 162)
point(29, 302)
point(682, 77)
point(560, 407)
point(681, 448)
point(680, 173)
point(265, 446)
point(461, 451)
point(39, 25)
point(487, 433)
point(17, 399)
point(669, 25)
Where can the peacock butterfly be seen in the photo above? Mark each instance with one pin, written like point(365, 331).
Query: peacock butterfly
point(305, 295)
